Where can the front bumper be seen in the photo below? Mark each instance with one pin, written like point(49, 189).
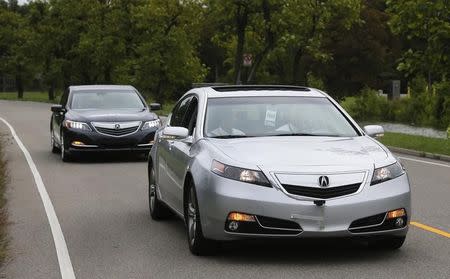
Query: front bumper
point(222, 196)
point(95, 142)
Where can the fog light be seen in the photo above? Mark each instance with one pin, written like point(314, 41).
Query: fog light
point(241, 217)
point(399, 222)
point(233, 226)
point(396, 213)
point(77, 143)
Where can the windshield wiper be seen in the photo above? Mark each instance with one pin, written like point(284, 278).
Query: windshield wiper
point(230, 137)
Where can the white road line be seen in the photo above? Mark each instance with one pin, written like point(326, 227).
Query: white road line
point(65, 265)
point(423, 161)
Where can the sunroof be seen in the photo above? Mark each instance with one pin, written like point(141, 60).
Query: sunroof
point(231, 88)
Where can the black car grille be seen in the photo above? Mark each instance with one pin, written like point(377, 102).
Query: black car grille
point(117, 132)
point(322, 193)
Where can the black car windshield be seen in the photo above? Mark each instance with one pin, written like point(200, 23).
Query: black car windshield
point(106, 99)
point(235, 117)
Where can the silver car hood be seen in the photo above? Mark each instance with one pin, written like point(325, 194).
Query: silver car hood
point(279, 153)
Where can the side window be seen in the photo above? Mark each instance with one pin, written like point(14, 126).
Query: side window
point(191, 116)
point(179, 112)
point(64, 97)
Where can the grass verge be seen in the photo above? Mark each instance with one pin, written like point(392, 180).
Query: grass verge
point(3, 211)
point(419, 143)
point(29, 96)
point(43, 97)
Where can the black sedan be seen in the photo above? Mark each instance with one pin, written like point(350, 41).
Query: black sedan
point(95, 118)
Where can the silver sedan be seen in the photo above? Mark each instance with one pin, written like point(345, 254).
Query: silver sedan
point(275, 161)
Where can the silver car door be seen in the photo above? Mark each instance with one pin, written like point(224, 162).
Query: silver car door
point(168, 183)
point(180, 155)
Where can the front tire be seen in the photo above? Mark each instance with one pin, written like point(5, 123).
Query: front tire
point(158, 210)
point(198, 244)
point(55, 149)
point(387, 243)
point(65, 155)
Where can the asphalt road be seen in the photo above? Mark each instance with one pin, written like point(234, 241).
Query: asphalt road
point(102, 207)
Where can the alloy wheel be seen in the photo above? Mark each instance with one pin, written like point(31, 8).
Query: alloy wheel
point(152, 190)
point(192, 216)
point(63, 149)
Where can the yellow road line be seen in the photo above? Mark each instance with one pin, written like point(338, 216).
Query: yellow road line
point(430, 229)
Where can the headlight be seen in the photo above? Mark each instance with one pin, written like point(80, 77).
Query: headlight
point(76, 125)
point(244, 175)
point(151, 124)
point(387, 173)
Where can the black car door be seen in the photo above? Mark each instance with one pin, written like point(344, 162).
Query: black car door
point(58, 117)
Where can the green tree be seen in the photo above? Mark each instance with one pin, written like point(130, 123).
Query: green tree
point(364, 55)
point(14, 35)
point(165, 41)
point(306, 25)
point(425, 25)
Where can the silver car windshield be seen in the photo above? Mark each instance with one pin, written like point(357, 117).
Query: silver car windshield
point(275, 116)
point(106, 99)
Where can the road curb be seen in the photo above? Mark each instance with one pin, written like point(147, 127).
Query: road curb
point(420, 153)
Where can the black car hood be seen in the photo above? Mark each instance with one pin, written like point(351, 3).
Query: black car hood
point(110, 115)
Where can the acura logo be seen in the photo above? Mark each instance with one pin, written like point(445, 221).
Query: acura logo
point(324, 181)
point(117, 126)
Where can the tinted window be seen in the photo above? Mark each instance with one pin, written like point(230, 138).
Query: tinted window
point(275, 116)
point(191, 116)
point(179, 112)
point(64, 97)
point(106, 99)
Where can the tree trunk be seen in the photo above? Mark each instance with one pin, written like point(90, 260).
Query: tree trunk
point(269, 39)
point(19, 85)
point(296, 66)
point(107, 74)
point(430, 82)
point(241, 24)
point(51, 90)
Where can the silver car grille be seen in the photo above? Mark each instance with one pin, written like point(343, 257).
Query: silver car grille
point(117, 129)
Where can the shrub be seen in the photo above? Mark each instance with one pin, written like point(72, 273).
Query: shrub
point(421, 107)
point(368, 106)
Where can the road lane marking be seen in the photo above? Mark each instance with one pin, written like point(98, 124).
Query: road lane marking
point(423, 161)
point(430, 229)
point(65, 265)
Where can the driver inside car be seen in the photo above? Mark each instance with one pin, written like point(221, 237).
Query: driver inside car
point(223, 126)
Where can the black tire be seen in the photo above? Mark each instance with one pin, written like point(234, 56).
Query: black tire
point(65, 155)
point(55, 149)
point(198, 244)
point(387, 243)
point(158, 211)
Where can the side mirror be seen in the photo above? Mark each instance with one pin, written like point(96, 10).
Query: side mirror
point(374, 131)
point(57, 108)
point(176, 132)
point(155, 106)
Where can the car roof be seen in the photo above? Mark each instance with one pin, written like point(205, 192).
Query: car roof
point(259, 90)
point(101, 87)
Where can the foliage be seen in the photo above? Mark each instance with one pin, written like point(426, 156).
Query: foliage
point(163, 46)
point(368, 106)
point(426, 27)
point(420, 108)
